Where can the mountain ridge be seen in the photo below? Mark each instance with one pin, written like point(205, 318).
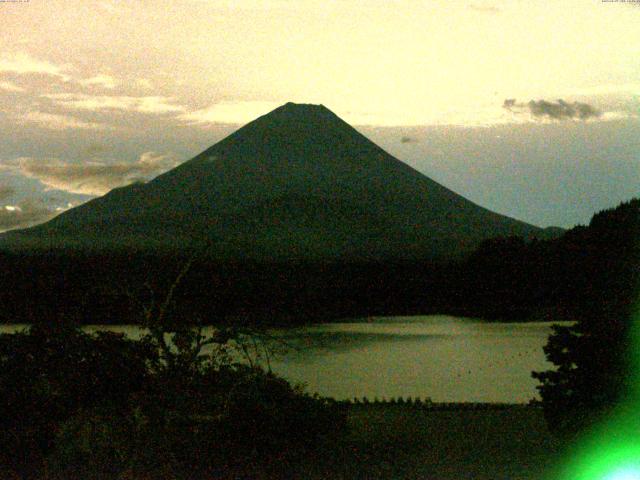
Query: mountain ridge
point(298, 182)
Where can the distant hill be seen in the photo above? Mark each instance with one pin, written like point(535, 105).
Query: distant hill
point(297, 183)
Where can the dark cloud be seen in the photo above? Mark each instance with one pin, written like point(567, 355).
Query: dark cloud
point(408, 140)
point(95, 178)
point(560, 110)
point(25, 214)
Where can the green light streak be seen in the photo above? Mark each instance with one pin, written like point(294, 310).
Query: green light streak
point(611, 450)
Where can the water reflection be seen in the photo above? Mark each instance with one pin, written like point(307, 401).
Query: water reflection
point(445, 358)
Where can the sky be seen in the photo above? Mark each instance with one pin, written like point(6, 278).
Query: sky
point(530, 109)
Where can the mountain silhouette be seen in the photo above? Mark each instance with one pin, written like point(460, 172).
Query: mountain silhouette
point(296, 183)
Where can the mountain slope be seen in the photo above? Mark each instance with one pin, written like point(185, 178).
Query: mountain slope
point(297, 183)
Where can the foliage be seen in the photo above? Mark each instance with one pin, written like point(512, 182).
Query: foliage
point(592, 357)
point(50, 373)
point(252, 424)
point(176, 403)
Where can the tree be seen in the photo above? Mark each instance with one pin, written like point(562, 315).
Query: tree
point(593, 357)
point(176, 403)
point(219, 411)
point(50, 373)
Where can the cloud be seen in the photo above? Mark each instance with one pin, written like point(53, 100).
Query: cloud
point(144, 83)
point(96, 149)
point(23, 64)
point(101, 80)
point(95, 178)
point(490, 9)
point(560, 110)
point(631, 88)
point(27, 213)
point(229, 112)
point(10, 87)
point(260, 5)
point(52, 121)
point(6, 191)
point(110, 7)
point(145, 104)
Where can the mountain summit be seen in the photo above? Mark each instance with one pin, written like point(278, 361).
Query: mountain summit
point(296, 183)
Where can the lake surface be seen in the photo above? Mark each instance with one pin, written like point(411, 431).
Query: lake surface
point(445, 358)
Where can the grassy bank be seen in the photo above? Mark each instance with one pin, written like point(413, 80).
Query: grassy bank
point(403, 442)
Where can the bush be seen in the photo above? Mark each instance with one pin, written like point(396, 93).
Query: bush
point(594, 356)
point(84, 406)
point(48, 374)
point(255, 424)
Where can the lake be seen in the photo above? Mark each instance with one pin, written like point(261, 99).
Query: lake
point(448, 359)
